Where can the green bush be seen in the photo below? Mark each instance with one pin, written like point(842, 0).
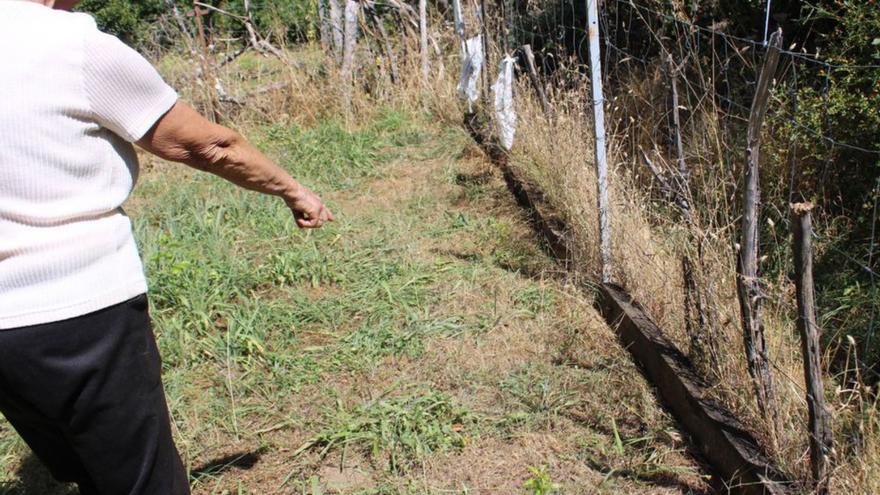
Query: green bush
point(128, 19)
point(295, 20)
point(132, 20)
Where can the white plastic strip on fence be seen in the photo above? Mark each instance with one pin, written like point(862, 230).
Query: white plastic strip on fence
point(505, 115)
point(470, 70)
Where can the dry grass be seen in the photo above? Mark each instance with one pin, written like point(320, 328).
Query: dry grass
point(650, 239)
point(579, 422)
point(429, 289)
point(549, 385)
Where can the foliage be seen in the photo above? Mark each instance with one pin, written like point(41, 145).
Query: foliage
point(854, 34)
point(849, 37)
point(540, 483)
point(294, 20)
point(128, 19)
point(403, 428)
point(132, 20)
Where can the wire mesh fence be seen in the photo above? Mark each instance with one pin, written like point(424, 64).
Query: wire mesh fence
point(679, 91)
point(718, 73)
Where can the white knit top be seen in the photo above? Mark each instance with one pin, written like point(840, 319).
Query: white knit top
point(72, 100)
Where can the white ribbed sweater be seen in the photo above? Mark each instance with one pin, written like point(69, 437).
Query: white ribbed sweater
point(72, 99)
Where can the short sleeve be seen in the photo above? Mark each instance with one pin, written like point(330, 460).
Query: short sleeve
point(126, 94)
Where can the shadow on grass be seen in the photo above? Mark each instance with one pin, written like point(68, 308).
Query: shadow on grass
point(35, 479)
point(240, 460)
point(659, 478)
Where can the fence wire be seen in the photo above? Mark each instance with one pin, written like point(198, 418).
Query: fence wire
point(718, 73)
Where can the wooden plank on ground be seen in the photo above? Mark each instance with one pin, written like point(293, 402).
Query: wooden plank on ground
point(717, 435)
point(541, 217)
point(729, 449)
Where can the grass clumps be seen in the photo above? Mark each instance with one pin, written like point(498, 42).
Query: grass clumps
point(539, 391)
point(332, 156)
point(401, 430)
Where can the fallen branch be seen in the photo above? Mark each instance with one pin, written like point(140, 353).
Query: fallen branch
point(232, 56)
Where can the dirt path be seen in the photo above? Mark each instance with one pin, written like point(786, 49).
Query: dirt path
point(423, 344)
point(550, 399)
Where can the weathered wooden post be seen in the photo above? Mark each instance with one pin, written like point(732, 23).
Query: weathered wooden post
point(324, 25)
point(352, 9)
point(748, 284)
point(536, 82)
point(207, 68)
point(423, 38)
point(338, 35)
point(819, 420)
point(599, 128)
point(386, 42)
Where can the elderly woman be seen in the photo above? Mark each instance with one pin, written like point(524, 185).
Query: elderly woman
point(79, 367)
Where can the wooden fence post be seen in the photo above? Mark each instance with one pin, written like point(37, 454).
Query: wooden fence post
point(336, 28)
point(748, 284)
point(324, 25)
point(819, 421)
point(536, 82)
point(352, 9)
point(423, 38)
point(599, 128)
point(389, 49)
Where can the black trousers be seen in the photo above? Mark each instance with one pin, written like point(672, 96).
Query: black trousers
point(86, 395)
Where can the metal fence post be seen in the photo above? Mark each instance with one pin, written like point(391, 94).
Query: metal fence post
point(599, 127)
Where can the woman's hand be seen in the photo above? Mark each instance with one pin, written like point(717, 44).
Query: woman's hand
point(308, 209)
point(182, 135)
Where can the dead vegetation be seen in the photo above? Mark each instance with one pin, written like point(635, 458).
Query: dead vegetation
point(533, 386)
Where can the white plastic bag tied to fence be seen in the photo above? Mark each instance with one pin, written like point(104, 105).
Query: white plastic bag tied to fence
point(505, 115)
point(471, 65)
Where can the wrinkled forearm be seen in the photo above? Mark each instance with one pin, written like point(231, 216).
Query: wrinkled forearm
point(233, 158)
point(184, 136)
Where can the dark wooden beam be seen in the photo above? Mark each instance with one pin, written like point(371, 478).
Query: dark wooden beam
point(730, 450)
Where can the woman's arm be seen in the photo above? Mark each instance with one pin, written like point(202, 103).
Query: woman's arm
point(182, 135)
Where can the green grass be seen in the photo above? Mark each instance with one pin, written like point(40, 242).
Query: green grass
point(314, 347)
point(399, 430)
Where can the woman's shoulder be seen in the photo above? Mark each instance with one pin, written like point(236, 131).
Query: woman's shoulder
point(61, 23)
point(77, 20)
